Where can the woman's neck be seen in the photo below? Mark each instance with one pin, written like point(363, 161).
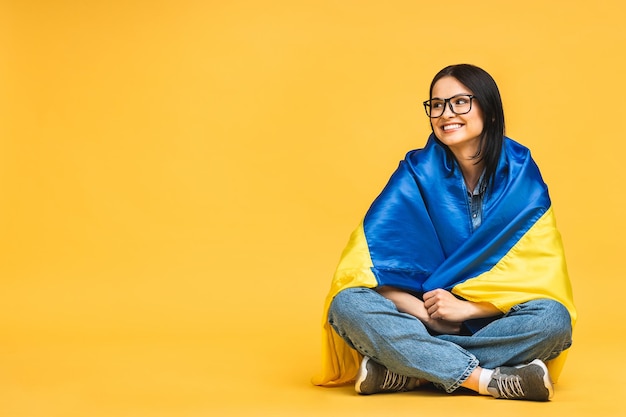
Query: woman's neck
point(469, 168)
point(471, 172)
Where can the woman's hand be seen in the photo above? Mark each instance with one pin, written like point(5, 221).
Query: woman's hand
point(443, 305)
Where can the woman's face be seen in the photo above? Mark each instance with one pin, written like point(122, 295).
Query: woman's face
point(461, 132)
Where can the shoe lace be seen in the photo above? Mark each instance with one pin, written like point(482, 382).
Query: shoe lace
point(510, 386)
point(394, 381)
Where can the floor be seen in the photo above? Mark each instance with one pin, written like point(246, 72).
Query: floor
point(247, 372)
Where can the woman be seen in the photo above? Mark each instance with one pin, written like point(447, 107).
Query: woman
point(456, 276)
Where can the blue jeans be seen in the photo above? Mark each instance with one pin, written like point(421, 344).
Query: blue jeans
point(371, 324)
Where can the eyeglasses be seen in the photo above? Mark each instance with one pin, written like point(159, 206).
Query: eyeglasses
point(459, 104)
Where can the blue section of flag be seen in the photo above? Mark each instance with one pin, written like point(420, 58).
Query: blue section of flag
point(419, 230)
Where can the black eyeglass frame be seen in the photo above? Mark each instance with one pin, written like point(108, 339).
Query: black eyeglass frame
point(448, 101)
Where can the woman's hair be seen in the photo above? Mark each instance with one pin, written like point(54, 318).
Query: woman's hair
point(486, 91)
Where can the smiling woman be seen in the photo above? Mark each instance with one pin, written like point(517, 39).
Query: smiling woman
point(457, 274)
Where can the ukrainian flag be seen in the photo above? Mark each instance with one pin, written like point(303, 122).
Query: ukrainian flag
point(418, 236)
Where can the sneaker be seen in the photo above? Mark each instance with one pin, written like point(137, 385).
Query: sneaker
point(524, 382)
point(374, 378)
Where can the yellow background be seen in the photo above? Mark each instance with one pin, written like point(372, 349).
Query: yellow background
point(178, 179)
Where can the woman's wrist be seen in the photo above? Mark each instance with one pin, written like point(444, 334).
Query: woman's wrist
point(480, 310)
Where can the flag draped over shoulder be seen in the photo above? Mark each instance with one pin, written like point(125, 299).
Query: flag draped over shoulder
point(418, 236)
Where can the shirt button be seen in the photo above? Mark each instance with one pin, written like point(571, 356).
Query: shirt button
point(474, 215)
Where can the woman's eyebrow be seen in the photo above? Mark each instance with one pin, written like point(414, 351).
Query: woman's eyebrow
point(456, 95)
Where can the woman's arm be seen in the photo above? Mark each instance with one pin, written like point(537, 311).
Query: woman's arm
point(412, 305)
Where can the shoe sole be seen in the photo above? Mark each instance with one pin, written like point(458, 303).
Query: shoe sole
point(361, 375)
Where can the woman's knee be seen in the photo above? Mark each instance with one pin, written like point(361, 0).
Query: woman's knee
point(346, 313)
point(552, 319)
point(349, 303)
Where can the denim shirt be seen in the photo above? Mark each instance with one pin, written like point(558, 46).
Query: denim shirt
point(476, 202)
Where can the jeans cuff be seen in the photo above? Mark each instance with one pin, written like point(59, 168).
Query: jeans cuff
point(468, 371)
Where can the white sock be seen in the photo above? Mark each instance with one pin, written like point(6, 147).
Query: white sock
point(483, 381)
